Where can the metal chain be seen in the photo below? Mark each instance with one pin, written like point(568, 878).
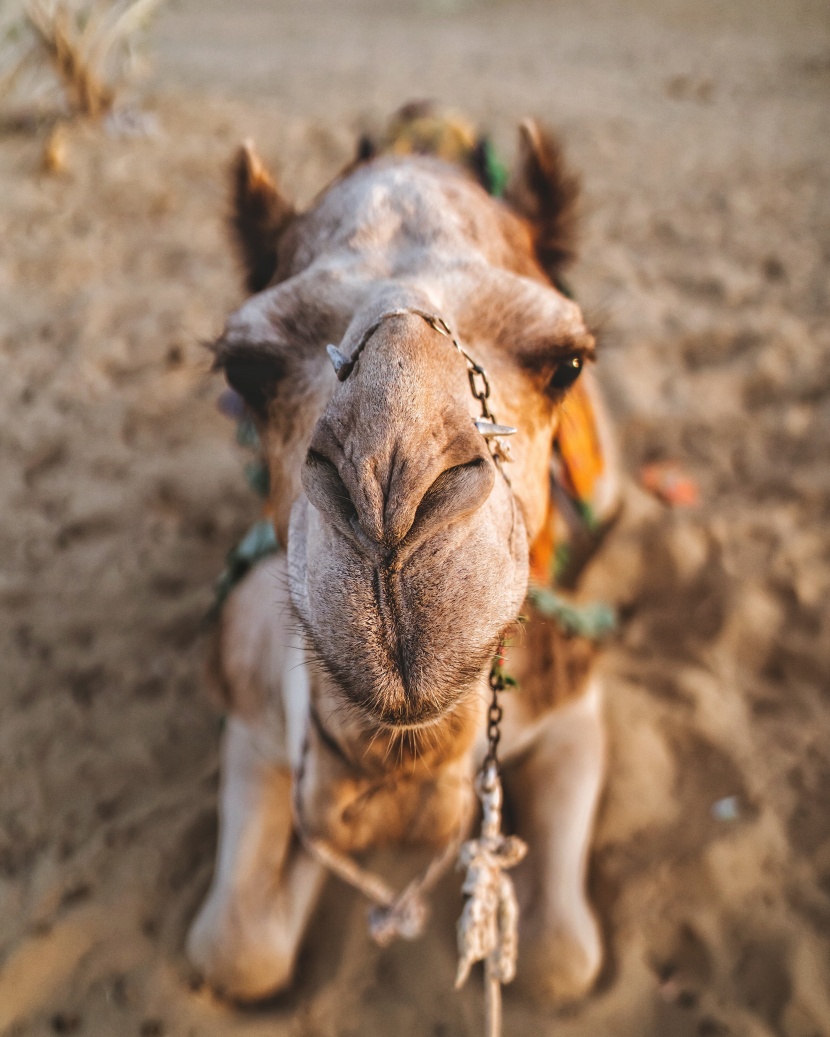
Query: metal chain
point(474, 370)
point(479, 385)
point(495, 712)
point(481, 392)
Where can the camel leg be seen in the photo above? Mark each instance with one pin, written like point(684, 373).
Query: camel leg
point(246, 936)
point(247, 933)
point(553, 793)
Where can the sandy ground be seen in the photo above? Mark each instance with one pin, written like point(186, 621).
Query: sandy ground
point(703, 130)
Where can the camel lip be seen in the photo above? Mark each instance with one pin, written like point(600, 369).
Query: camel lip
point(414, 713)
point(399, 709)
point(393, 659)
point(430, 716)
point(454, 709)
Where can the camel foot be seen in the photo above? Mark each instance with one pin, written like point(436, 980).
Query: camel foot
point(240, 960)
point(560, 963)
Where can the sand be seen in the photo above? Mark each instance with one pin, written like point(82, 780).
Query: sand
point(703, 132)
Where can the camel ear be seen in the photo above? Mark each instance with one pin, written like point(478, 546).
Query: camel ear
point(544, 190)
point(260, 215)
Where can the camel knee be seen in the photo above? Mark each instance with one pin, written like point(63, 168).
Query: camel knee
point(560, 957)
point(241, 956)
point(246, 937)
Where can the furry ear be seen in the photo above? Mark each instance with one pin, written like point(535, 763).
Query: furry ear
point(543, 190)
point(260, 215)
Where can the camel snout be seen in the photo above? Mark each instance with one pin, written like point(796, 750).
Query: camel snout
point(389, 501)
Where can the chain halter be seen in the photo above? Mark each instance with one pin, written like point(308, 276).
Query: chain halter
point(476, 375)
point(488, 927)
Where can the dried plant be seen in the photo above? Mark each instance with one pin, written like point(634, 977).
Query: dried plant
point(86, 47)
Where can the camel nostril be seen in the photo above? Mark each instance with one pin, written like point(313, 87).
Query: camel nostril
point(456, 493)
point(326, 490)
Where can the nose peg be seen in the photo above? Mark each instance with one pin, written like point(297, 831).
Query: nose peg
point(341, 364)
point(490, 430)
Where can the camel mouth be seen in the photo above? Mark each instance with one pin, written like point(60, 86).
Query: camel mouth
point(405, 658)
point(401, 705)
point(395, 697)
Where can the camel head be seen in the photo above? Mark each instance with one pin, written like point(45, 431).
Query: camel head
point(407, 545)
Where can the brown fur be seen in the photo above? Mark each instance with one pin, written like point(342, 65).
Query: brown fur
point(406, 550)
point(546, 192)
point(260, 214)
point(550, 666)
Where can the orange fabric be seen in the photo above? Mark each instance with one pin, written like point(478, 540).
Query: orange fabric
point(543, 549)
point(579, 474)
point(578, 445)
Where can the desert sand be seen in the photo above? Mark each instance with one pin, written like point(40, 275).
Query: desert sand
point(703, 134)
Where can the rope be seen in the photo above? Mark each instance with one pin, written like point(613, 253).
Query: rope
point(488, 929)
point(492, 1003)
point(395, 915)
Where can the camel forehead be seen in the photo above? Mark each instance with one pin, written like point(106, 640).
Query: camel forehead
point(395, 205)
point(405, 221)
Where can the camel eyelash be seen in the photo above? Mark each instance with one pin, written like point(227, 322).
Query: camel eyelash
point(558, 367)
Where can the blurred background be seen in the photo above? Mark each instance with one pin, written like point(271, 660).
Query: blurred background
point(702, 131)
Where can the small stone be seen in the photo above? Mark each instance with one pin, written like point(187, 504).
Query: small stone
point(726, 809)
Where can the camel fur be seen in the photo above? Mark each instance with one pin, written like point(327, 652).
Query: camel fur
point(362, 650)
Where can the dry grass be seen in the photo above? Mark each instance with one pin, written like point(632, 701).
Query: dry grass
point(86, 48)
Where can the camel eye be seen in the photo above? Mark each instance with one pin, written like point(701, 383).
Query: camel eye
point(566, 374)
point(254, 375)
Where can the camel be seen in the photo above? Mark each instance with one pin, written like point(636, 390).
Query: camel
point(353, 664)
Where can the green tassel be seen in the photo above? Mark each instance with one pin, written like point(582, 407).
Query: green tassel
point(246, 433)
point(495, 170)
point(497, 672)
point(259, 542)
point(256, 472)
point(594, 621)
